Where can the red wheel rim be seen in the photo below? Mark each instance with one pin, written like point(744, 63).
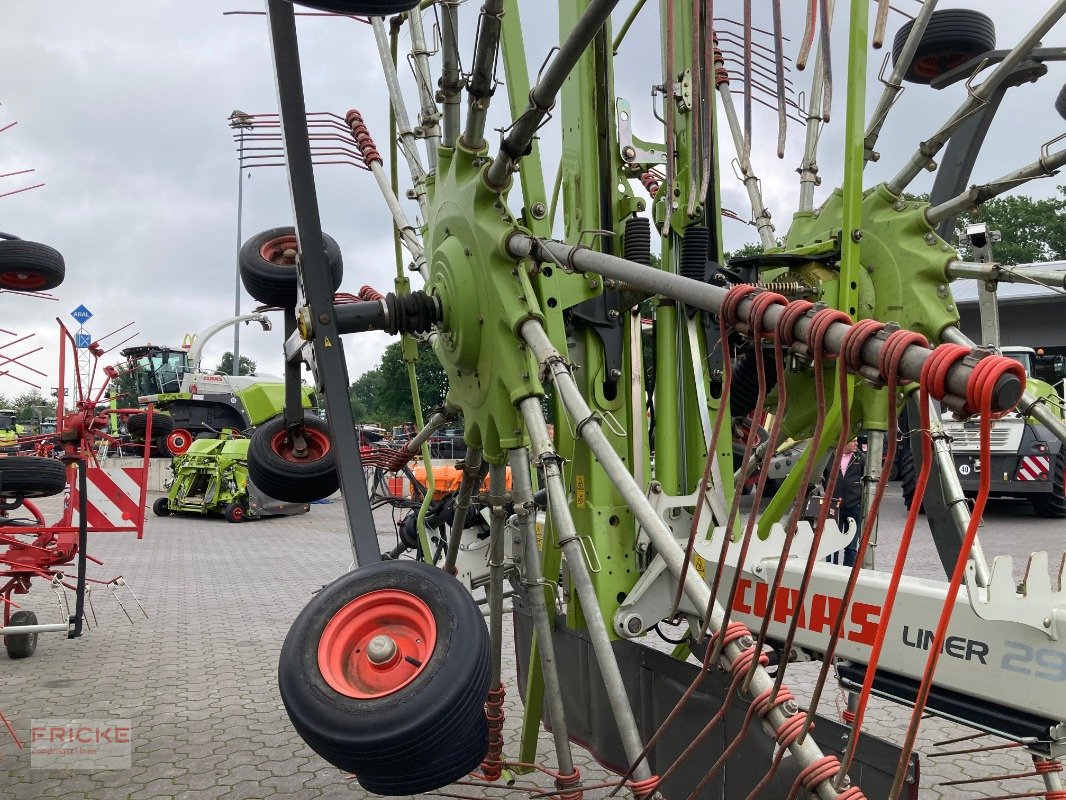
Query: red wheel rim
point(273, 251)
point(933, 66)
point(237, 513)
point(21, 280)
point(377, 644)
point(317, 446)
point(179, 442)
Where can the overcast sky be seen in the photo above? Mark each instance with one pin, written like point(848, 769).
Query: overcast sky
point(122, 111)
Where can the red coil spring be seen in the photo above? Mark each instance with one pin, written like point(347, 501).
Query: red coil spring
point(492, 766)
point(564, 784)
point(847, 716)
point(370, 293)
point(764, 706)
point(644, 788)
point(651, 183)
point(1045, 766)
point(363, 140)
point(721, 74)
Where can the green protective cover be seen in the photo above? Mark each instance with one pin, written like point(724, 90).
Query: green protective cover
point(264, 401)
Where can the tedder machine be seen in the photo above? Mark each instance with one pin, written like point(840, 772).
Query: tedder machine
point(534, 300)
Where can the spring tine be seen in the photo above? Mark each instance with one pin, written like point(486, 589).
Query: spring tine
point(779, 63)
point(808, 35)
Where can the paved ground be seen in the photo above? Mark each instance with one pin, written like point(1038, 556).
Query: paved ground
point(197, 679)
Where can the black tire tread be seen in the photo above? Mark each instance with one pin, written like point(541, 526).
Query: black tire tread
point(362, 8)
point(137, 425)
point(31, 476)
point(21, 645)
point(1060, 102)
point(271, 285)
point(1053, 504)
point(34, 258)
point(951, 31)
point(287, 480)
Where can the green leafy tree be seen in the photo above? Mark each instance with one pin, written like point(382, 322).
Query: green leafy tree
point(1032, 230)
point(383, 394)
point(225, 366)
point(32, 406)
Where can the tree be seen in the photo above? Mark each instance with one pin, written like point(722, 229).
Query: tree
point(225, 366)
point(1033, 230)
point(32, 406)
point(383, 394)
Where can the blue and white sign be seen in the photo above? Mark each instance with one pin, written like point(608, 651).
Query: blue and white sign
point(81, 314)
point(83, 340)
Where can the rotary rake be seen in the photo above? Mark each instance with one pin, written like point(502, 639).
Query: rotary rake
point(841, 320)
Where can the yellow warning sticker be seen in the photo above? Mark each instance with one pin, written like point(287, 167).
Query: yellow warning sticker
point(699, 565)
point(579, 483)
point(540, 536)
point(326, 342)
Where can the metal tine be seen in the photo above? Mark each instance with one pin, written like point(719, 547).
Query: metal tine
point(482, 80)
point(451, 78)
point(119, 583)
point(399, 109)
point(894, 84)
point(808, 35)
point(928, 149)
point(808, 169)
point(827, 66)
point(779, 65)
point(733, 56)
point(880, 23)
point(429, 116)
point(760, 215)
point(542, 96)
point(1043, 167)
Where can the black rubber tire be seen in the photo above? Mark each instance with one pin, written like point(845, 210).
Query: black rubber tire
point(908, 478)
point(1060, 102)
point(137, 425)
point(424, 736)
point(1053, 504)
point(273, 282)
point(952, 37)
point(292, 481)
point(21, 645)
point(361, 8)
point(161, 507)
point(30, 266)
point(31, 476)
point(236, 513)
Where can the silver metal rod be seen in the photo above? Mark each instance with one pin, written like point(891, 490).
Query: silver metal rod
point(952, 490)
point(1043, 167)
point(429, 116)
point(542, 97)
point(894, 85)
point(497, 523)
point(808, 169)
point(408, 142)
point(435, 423)
point(408, 235)
point(481, 83)
point(52, 627)
point(875, 453)
point(451, 81)
point(665, 544)
point(471, 468)
point(1029, 405)
point(574, 552)
point(708, 297)
point(975, 100)
point(526, 544)
point(751, 181)
point(1000, 273)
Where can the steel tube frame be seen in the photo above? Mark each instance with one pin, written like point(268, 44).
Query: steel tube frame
point(315, 283)
point(1043, 167)
point(759, 212)
point(49, 627)
point(708, 297)
point(923, 157)
point(451, 81)
point(497, 522)
point(479, 86)
point(429, 116)
point(542, 97)
point(526, 544)
point(666, 546)
point(1000, 273)
point(574, 552)
point(471, 467)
